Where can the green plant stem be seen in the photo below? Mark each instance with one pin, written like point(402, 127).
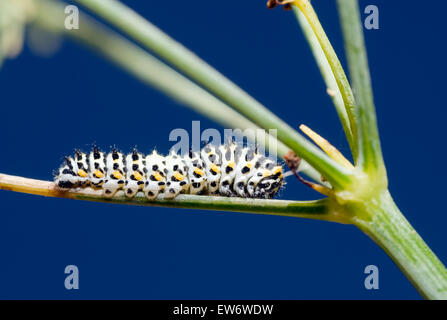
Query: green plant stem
point(380, 218)
point(377, 215)
point(372, 209)
point(154, 39)
point(328, 77)
point(331, 57)
point(317, 209)
point(370, 153)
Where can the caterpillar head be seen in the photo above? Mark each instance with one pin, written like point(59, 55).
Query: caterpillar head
point(269, 184)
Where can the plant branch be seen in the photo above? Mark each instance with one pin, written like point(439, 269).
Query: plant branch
point(318, 209)
point(384, 223)
point(154, 39)
point(328, 77)
point(337, 70)
point(370, 153)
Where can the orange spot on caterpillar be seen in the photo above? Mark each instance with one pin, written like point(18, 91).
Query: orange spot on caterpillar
point(82, 173)
point(117, 174)
point(137, 176)
point(158, 176)
point(215, 168)
point(198, 171)
point(178, 176)
point(98, 174)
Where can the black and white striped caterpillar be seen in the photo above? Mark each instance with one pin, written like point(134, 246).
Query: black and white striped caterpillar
point(227, 170)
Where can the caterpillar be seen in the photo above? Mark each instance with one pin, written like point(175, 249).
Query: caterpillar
point(227, 170)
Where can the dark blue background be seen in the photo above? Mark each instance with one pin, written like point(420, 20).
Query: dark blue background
point(51, 105)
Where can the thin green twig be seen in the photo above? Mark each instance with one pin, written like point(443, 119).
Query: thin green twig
point(328, 77)
point(370, 153)
point(317, 209)
point(342, 81)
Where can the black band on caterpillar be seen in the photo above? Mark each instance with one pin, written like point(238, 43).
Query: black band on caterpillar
point(228, 170)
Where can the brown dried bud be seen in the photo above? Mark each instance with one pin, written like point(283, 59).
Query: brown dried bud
point(271, 4)
point(292, 160)
point(287, 6)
